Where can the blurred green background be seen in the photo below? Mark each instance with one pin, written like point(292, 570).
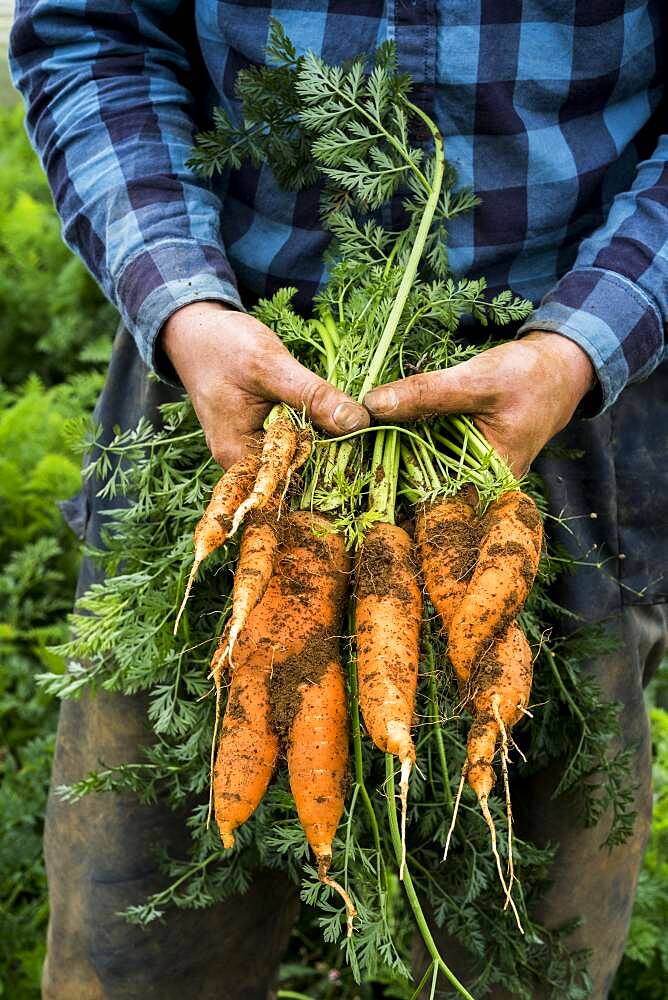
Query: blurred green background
point(55, 335)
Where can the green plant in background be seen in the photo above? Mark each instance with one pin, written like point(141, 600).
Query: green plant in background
point(38, 560)
point(55, 329)
point(644, 969)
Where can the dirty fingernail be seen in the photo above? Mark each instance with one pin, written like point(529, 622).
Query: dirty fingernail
point(381, 400)
point(350, 417)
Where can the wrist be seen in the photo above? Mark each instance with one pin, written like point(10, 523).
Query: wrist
point(569, 364)
point(186, 323)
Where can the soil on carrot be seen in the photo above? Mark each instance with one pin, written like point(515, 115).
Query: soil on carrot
point(498, 553)
point(527, 512)
point(305, 667)
point(377, 572)
point(461, 541)
point(295, 536)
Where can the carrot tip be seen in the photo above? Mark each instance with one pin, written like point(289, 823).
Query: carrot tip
point(484, 807)
point(226, 835)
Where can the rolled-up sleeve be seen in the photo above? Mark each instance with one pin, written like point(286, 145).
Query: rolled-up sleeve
point(110, 112)
point(614, 301)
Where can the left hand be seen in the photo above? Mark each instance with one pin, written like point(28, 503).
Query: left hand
point(520, 394)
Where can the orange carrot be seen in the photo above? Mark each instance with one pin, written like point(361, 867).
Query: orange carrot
point(278, 451)
point(388, 613)
point(487, 648)
point(248, 745)
point(308, 692)
point(302, 452)
point(214, 527)
point(502, 686)
point(289, 648)
point(446, 536)
point(259, 545)
point(503, 576)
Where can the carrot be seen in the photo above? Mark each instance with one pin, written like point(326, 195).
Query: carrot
point(302, 452)
point(446, 536)
point(308, 691)
point(502, 683)
point(287, 686)
point(318, 767)
point(278, 451)
point(388, 613)
point(503, 576)
point(488, 650)
point(259, 545)
point(248, 745)
point(213, 528)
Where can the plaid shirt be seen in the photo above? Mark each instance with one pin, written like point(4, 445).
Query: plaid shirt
point(551, 112)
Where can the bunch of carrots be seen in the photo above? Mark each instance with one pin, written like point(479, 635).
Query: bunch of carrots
point(280, 647)
point(391, 517)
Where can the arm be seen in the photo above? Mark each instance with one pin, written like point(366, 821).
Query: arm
point(110, 113)
point(603, 322)
point(112, 116)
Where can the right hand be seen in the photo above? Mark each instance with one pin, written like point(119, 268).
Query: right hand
point(234, 369)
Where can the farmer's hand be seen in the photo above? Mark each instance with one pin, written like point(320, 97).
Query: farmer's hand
point(234, 368)
point(519, 394)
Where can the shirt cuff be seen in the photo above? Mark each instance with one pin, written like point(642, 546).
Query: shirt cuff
point(611, 319)
point(162, 278)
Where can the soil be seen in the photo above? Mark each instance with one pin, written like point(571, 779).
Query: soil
point(378, 572)
point(305, 667)
point(527, 512)
point(461, 540)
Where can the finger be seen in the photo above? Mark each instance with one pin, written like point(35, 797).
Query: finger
point(447, 391)
point(232, 448)
point(328, 407)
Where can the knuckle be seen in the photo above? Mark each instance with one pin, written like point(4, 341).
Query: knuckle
point(315, 396)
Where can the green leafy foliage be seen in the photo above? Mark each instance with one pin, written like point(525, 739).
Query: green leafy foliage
point(53, 316)
point(38, 558)
point(351, 129)
point(644, 969)
point(55, 325)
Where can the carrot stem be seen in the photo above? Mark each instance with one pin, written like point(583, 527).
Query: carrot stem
point(433, 698)
point(413, 900)
point(423, 982)
point(380, 354)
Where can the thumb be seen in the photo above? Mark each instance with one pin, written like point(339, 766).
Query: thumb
point(449, 390)
point(332, 410)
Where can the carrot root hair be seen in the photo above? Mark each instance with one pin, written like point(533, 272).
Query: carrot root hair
point(406, 767)
point(455, 810)
point(484, 808)
point(324, 861)
point(506, 788)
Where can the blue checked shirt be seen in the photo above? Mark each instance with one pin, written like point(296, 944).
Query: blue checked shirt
point(551, 109)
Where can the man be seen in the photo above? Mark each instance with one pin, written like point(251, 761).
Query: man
point(552, 113)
